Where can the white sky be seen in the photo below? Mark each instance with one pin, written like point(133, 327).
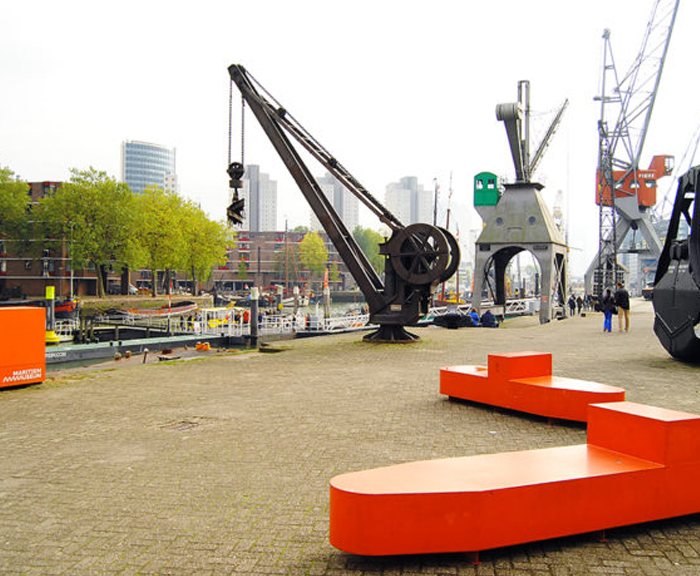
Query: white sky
point(391, 88)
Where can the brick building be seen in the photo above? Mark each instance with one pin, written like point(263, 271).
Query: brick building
point(267, 258)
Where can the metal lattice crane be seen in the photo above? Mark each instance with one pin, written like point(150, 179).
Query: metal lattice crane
point(626, 105)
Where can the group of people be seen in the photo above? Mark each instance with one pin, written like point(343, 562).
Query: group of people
point(617, 303)
point(575, 304)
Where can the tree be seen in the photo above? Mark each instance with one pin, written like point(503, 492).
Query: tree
point(14, 198)
point(205, 243)
point(14, 214)
point(242, 270)
point(95, 214)
point(313, 254)
point(160, 217)
point(369, 241)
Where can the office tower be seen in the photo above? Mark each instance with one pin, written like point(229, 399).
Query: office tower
point(146, 164)
point(344, 202)
point(409, 201)
point(260, 195)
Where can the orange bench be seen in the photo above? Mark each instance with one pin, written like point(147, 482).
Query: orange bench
point(641, 463)
point(523, 381)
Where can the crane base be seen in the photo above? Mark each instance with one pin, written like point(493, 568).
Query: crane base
point(391, 334)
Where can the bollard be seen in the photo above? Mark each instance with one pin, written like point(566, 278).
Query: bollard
point(279, 293)
point(254, 296)
point(295, 291)
point(326, 302)
point(51, 337)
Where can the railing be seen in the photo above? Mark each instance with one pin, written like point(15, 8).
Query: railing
point(206, 323)
point(65, 329)
point(522, 306)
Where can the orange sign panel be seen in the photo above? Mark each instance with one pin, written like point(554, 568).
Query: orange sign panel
point(22, 345)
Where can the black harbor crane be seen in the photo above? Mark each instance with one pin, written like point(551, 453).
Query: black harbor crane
point(676, 293)
point(417, 257)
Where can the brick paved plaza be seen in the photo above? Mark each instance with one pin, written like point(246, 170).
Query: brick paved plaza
point(221, 465)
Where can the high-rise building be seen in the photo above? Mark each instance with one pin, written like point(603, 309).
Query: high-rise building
point(144, 163)
point(344, 202)
point(409, 201)
point(260, 195)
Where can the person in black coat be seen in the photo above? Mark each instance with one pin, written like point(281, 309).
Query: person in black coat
point(622, 299)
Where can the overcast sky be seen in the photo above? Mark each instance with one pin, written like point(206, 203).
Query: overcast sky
point(391, 88)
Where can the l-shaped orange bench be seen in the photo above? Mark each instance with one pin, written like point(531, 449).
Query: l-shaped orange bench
point(640, 463)
point(523, 381)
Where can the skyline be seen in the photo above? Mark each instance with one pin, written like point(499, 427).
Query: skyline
point(392, 89)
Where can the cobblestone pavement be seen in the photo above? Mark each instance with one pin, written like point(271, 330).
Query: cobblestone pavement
point(221, 465)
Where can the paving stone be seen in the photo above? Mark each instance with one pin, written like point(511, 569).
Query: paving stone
point(221, 466)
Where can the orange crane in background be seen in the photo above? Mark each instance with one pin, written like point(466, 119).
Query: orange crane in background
point(625, 113)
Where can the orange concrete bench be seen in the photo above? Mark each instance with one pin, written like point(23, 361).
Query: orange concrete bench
point(523, 381)
point(641, 463)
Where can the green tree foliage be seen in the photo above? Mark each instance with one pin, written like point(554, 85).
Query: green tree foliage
point(313, 254)
point(14, 203)
point(160, 220)
point(334, 272)
point(14, 197)
point(96, 216)
point(369, 241)
point(205, 242)
point(242, 270)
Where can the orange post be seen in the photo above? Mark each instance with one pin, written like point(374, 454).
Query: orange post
point(22, 345)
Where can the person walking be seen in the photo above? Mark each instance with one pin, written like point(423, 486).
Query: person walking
point(622, 299)
point(608, 305)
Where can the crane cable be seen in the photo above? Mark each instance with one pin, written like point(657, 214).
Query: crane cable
point(230, 125)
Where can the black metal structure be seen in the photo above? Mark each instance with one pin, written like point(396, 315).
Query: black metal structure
point(676, 295)
point(418, 257)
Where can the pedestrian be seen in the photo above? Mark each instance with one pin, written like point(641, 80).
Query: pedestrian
point(488, 320)
point(608, 307)
point(476, 321)
point(579, 303)
point(572, 305)
point(622, 299)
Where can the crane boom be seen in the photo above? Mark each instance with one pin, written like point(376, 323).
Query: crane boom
point(270, 120)
point(639, 86)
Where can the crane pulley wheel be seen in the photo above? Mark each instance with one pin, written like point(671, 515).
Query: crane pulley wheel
point(419, 254)
point(455, 255)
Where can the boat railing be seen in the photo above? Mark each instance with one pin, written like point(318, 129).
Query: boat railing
point(229, 325)
point(345, 323)
point(65, 328)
